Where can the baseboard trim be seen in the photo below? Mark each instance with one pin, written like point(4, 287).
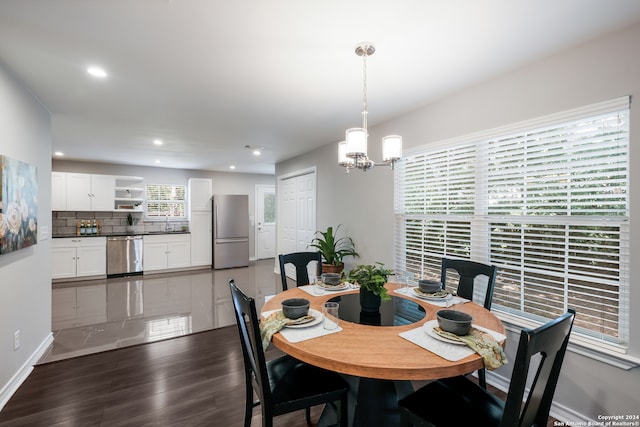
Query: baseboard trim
point(22, 374)
point(558, 411)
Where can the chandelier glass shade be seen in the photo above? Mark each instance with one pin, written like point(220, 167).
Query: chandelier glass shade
point(352, 152)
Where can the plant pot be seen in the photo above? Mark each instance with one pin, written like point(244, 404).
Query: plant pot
point(369, 302)
point(330, 268)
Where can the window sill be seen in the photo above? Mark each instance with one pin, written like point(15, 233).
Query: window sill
point(606, 353)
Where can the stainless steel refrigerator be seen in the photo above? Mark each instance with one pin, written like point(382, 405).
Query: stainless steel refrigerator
point(230, 231)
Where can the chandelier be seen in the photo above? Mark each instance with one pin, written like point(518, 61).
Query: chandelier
point(352, 152)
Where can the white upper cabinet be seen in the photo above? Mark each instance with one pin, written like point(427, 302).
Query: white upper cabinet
point(200, 190)
point(89, 192)
point(58, 191)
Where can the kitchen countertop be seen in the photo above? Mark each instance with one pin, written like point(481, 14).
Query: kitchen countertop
point(118, 234)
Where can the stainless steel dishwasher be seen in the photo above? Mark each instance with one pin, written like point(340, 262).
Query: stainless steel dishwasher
point(124, 255)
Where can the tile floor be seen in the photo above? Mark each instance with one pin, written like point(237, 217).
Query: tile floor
point(98, 315)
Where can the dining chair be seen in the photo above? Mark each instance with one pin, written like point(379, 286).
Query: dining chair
point(459, 401)
point(284, 384)
point(467, 272)
point(300, 261)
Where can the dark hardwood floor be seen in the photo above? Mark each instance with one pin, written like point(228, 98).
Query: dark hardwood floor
point(195, 380)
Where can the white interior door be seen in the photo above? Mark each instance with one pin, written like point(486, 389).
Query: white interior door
point(297, 213)
point(266, 221)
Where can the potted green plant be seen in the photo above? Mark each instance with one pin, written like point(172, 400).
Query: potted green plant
point(333, 249)
point(371, 279)
point(131, 222)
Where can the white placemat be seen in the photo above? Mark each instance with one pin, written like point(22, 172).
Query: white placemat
point(452, 352)
point(309, 289)
point(445, 350)
point(303, 334)
point(448, 303)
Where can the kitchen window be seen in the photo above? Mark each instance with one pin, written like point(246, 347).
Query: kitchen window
point(546, 201)
point(166, 201)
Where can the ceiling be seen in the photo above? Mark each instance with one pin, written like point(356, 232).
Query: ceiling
point(209, 77)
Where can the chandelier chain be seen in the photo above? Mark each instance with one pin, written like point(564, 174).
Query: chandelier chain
point(364, 92)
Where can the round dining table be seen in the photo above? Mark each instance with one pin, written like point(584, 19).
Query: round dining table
point(374, 352)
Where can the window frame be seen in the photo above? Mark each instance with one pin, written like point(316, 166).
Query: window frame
point(171, 201)
point(407, 252)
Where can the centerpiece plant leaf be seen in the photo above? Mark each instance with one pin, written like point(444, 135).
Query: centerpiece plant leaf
point(372, 277)
point(131, 220)
point(333, 249)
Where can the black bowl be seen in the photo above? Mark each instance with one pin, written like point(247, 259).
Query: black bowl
point(454, 321)
point(331, 278)
point(295, 307)
point(430, 286)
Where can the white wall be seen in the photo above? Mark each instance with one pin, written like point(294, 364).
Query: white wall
point(25, 283)
point(597, 71)
point(223, 182)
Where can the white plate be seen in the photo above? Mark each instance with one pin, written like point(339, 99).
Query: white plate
point(339, 287)
point(417, 293)
point(428, 328)
point(317, 319)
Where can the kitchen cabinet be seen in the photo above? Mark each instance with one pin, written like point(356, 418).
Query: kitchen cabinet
point(200, 192)
point(58, 191)
point(200, 221)
point(200, 227)
point(166, 251)
point(86, 192)
point(78, 306)
point(78, 257)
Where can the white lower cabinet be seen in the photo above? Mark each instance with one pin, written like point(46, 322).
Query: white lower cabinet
point(78, 306)
point(166, 251)
point(78, 257)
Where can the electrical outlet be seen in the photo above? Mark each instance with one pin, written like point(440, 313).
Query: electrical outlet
point(16, 340)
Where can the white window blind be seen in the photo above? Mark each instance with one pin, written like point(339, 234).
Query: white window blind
point(166, 200)
point(544, 200)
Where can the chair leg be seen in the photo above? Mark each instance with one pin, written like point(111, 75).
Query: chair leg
point(307, 415)
point(482, 378)
point(344, 412)
point(249, 404)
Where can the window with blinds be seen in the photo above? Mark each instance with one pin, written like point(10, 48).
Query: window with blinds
point(166, 201)
point(546, 201)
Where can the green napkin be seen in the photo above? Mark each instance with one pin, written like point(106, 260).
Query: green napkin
point(482, 343)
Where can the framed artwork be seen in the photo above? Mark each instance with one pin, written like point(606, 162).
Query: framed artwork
point(18, 205)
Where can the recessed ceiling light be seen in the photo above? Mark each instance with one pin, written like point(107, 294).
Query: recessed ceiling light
point(232, 167)
point(157, 142)
point(58, 153)
point(255, 149)
point(157, 161)
point(97, 72)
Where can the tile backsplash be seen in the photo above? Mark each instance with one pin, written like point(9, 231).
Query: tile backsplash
point(64, 223)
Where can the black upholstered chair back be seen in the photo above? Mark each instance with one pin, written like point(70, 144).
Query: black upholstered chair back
point(300, 260)
point(468, 271)
point(550, 342)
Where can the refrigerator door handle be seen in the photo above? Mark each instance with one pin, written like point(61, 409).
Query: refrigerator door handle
point(215, 217)
point(239, 239)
